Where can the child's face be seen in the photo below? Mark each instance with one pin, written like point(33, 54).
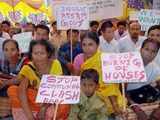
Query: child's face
point(88, 87)
point(10, 51)
point(89, 47)
point(154, 34)
point(39, 53)
point(148, 52)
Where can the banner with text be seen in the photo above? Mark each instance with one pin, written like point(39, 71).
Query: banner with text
point(147, 18)
point(72, 17)
point(98, 9)
point(59, 89)
point(123, 67)
point(156, 4)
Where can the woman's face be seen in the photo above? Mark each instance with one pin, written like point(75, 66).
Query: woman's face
point(89, 47)
point(39, 53)
point(10, 51)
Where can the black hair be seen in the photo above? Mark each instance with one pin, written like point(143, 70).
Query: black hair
point(91, 35)
point(148, 40)
point(30, 23)
point(54, 23)
point(154, 27)
point(49, 48)
point(10, 40)
point(73, 30)
point(6, 22)
point(90, 74)
point(92, 23)
point(133, 21)
point(41, 26)
point(123, 23)
point(106, 24)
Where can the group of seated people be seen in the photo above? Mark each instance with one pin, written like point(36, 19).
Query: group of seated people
point(21, 73)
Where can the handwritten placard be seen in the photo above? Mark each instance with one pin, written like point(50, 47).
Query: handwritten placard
point(72, 17)
point(123, 67)
point(140, 4)
point(23, 40)
point(98, 9)
point(148, 18)
point(156, 4)
point(59, 89)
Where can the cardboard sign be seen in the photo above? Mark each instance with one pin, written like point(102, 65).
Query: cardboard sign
point(36, 18)
point(23, 40)
point(147, 18)
point(59, 89)
point(123, 68)
point(72, 17)
point(98, 9)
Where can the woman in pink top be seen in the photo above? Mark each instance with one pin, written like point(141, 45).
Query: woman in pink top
point(90, 43)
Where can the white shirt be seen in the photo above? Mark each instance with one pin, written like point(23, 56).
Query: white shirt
point(152, 73)
point(111, 47)
point(157, 58)
point(1, 51)
point(117, 36)
point(5, 35)
point(125, 44)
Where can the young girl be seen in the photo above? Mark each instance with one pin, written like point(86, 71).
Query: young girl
point(91, 59)
point(9, 68)
point(40, 54)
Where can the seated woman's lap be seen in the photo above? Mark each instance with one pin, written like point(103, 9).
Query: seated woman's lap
point(15, 102)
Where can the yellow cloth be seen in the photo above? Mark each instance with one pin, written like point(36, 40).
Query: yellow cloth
point(104, 90)
point(34, 80)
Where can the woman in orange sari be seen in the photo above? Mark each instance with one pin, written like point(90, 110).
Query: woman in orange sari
point(23, 97)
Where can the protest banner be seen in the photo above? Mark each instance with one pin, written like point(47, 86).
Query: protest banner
point(98, 9)
point(148, 18)
point(72, 17)
point(123, 68)
point(23, 40)
point(156, 4)
point(59, 89)
point(140, 4)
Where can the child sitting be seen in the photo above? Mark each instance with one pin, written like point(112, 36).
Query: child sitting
point(90, 107)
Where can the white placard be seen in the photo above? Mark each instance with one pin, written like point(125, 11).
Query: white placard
point(123, 68)
point(147, 18)
point(59, 89)
point(23, 40)
point(72, 17)
point(98, 9)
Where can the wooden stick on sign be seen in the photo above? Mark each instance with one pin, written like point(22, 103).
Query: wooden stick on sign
point(55, 112)
point(124, 98)
point(71, 47)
